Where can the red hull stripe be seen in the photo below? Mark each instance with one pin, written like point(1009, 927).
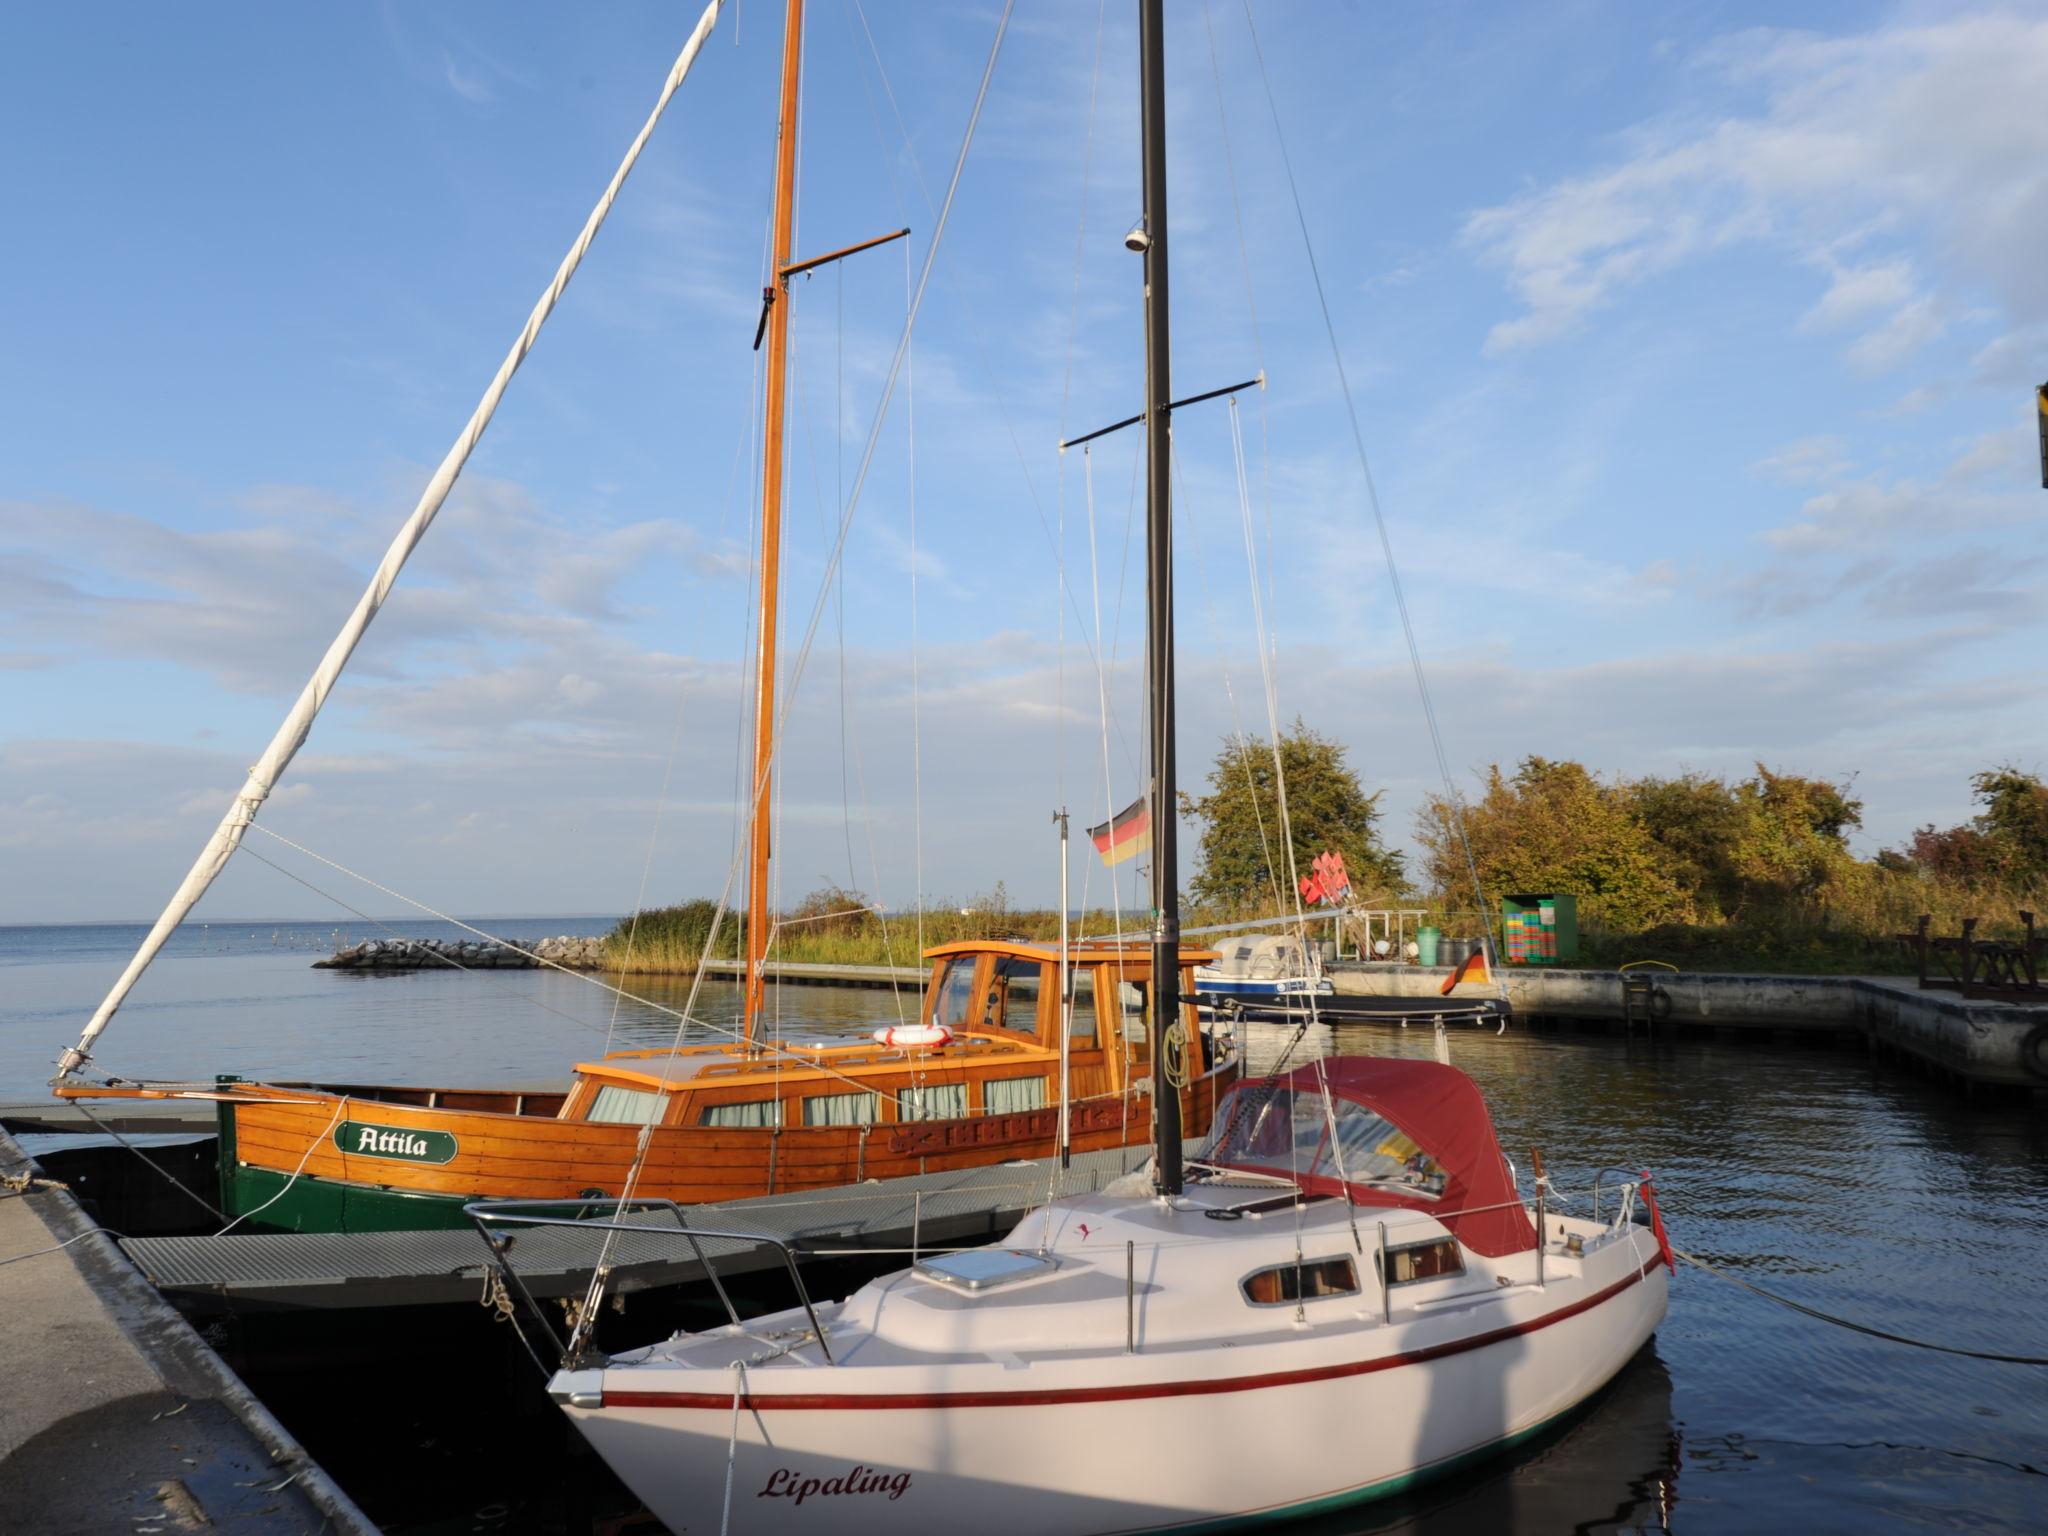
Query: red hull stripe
point(871, 1401)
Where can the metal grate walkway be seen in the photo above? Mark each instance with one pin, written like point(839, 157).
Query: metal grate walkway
point(384, 1269)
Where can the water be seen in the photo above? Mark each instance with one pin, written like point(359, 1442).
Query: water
point(1820, 1173)
point(243, 998)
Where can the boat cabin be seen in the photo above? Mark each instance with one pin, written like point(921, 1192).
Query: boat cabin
point(989, 1045)
point(1262, 957)
point(1379, 1131)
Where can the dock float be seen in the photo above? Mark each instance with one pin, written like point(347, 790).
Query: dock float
point(116, 1415)
point(383, 1269)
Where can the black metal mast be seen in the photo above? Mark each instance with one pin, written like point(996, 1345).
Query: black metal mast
point(1159, 602)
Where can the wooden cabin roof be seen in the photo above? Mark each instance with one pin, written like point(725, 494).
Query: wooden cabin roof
point(1078, 951)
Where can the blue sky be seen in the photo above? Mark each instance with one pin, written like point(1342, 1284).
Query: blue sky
point(1694, 355)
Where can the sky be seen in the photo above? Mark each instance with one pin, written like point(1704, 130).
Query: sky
point(1693, 358)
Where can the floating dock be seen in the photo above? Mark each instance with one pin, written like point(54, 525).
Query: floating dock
point(962, 1207)
point(117, 1416)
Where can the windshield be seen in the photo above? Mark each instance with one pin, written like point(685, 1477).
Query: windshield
point(1281, 1130)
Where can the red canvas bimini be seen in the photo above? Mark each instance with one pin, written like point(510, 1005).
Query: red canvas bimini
point(1407, 1133)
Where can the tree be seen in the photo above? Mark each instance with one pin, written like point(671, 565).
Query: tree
point(1554, 827)
point(1697, 824)
point(2005, 843)
point(1794, 837)
point(2014, 821)
point(1243, 856)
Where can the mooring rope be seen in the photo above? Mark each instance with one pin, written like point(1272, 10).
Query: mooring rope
point(732, 1443)
point(1856, 1327)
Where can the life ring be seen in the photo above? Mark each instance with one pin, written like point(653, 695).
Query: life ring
point(2034, 1051)
point(922, 1036)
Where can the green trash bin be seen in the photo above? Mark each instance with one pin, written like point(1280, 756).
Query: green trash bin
point(1426, 940)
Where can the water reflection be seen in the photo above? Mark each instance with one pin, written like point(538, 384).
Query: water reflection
point(1820, 1172)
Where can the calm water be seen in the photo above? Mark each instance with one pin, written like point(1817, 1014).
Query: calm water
point(1818, 1173)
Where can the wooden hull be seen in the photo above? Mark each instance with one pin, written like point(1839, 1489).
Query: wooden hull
point(308, 1160)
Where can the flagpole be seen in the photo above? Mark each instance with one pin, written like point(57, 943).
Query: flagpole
point(1066, 1007)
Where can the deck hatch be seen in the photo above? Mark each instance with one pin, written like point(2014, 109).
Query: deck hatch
point(983, 1269)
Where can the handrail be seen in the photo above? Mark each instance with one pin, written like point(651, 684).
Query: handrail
point(484, 1214)
point(1630, 1179)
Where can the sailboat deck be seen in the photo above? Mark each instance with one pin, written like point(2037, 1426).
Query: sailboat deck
point(292, 1270)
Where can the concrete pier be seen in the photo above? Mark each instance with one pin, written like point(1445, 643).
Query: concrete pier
point(1976, 1041)
point(114, 1415)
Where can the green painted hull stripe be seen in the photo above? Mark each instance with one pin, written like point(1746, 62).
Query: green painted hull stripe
point(309, 1204)
point(1384, 1489)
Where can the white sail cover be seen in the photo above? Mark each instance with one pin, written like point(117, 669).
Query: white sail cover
point(299, 723)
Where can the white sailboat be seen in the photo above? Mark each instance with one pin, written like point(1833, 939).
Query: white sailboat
point(1345, 1291)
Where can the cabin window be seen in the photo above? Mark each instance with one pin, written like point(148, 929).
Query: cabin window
point(1424, 1261)
point(624, 1106)
point(1013, 1000)
point(1012, 1095)
point(955, 1005)
point(1081, 983)
point(933, 1101)
point(1132, 1002)
point(841, 1109)
point(1309, 1280)
point(1376, 1151)
point(752, 1115)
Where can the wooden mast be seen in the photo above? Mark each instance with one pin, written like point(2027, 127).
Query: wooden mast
point(1159, 605)
point(776, 299)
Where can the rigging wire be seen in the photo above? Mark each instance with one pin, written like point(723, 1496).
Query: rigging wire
point(1436, 739)
point(778, 735)
point(675, 741)
point(980, 342)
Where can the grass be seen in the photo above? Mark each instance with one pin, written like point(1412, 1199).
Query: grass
point(1843, 936)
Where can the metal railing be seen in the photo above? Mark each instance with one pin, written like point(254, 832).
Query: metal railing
point(1629, 1183)
point(492, 1217)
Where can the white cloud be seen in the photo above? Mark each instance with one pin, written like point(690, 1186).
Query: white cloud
point(466, 82)
point(1806, 461)
point(1910, 132)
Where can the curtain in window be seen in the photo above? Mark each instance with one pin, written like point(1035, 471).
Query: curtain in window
point(624, 1106)
point(751, 1115)
point(841, 1109)
point(939, 1101)
point(1012, 1095)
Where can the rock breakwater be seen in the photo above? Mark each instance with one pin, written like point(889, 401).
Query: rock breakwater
point(578, 954)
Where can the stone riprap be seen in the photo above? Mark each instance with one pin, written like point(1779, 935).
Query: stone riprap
point(578, 954)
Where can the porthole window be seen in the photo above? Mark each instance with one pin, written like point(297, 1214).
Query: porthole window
point(1424, 1261)
point(1309, 1280)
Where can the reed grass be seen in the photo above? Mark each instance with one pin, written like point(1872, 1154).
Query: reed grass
point(1851, 928)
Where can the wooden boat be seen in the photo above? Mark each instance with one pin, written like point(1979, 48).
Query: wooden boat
point(704, 1121)
point(726, 1121)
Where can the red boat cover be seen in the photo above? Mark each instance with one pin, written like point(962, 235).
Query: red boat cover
point(1437, 1108)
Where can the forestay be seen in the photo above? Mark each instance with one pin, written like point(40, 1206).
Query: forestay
point(298, 724)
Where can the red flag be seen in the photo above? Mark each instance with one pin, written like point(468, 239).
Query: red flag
point(1657, 1222)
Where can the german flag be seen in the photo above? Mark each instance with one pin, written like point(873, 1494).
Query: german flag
point(1471, 969)
point(1125, 835)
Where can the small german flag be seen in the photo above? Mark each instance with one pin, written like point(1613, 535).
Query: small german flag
point(1128, 833)
point(1471, 969)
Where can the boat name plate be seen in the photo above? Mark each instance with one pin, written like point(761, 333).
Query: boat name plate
point(397, 1143)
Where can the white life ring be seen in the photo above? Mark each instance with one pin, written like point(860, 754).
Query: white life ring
point(926, 1035)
